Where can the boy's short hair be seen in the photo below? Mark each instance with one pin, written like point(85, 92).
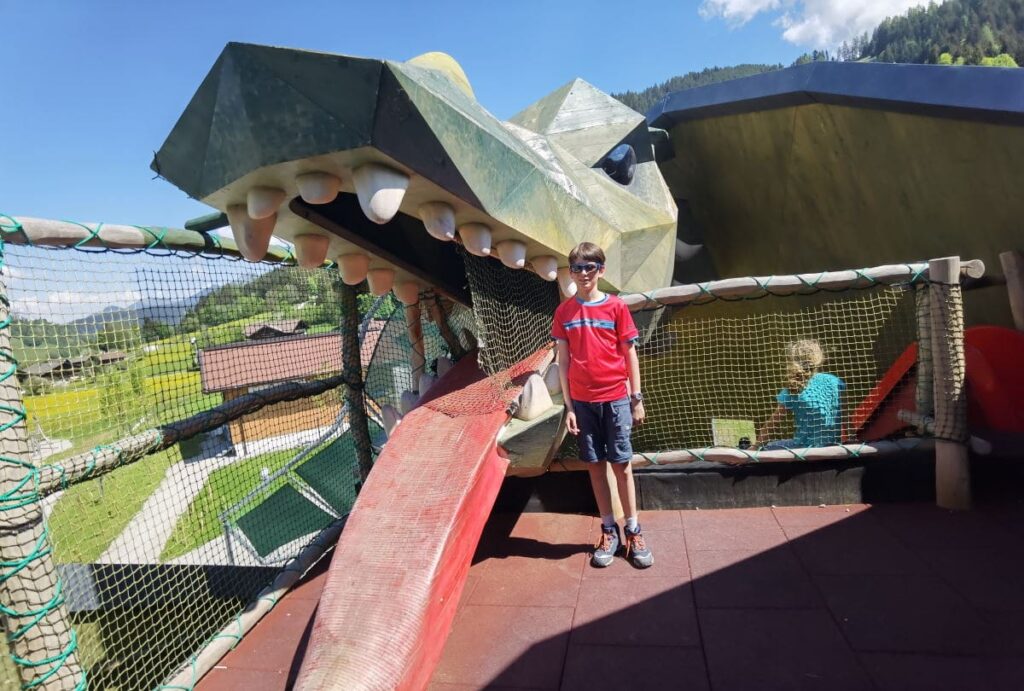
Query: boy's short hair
point(588, 252)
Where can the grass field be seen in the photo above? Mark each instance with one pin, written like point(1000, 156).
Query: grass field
point(64, 414)
point(89, 515)
point(223, 489)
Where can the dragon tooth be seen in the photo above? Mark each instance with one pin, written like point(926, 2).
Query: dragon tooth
point(408, 292)
point(512, 253)
point(252, 235)
point(546, 267)
point(380, 190)
point(476, 237)
point(566, 286)
point(311, 250)
point(439, 220)
point(353, 268)
point(318, 187)
point(262, 202)
point(380, 280)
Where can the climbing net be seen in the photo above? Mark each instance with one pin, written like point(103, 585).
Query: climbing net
point(715, 374)
point(175, 448)
point(784, 368)
point(176, 444)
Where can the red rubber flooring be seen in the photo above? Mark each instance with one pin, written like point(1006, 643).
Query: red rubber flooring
point(858, 597)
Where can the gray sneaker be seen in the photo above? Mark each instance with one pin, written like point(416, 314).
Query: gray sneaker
point(604, 552)
point(637, 551)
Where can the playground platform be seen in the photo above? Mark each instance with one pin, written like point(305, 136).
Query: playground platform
point(893, 596)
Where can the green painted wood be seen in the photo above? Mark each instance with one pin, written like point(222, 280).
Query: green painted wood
point(531, 444)
point(826, 187)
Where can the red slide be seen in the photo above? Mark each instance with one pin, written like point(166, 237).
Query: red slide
point(995, 387)
point(402, 560)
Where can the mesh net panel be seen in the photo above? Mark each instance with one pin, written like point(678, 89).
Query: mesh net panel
point(513, 311)
point(388, 350)
point(713, 373)
point(947, 305)
point(159, 555)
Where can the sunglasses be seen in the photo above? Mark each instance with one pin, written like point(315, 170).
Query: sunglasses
point(584, 268)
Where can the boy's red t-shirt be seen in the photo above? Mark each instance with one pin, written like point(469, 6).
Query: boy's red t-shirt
point(597, 333)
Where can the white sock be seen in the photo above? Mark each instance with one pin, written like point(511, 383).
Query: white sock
point(631, 524)
point(608, 521)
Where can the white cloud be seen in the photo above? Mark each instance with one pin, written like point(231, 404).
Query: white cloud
point(62, 306)
point(811, 23)
point(738, 12)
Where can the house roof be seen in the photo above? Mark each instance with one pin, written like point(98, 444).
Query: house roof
point(268, 361)
point(41, 368)
point(283, 326)
point(973, 93)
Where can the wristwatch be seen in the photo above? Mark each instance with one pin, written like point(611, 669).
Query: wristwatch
point(638, 396)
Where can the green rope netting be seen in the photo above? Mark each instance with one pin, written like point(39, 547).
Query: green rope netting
point(25, 492)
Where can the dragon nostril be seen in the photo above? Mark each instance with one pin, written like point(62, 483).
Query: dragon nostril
point(620, 164)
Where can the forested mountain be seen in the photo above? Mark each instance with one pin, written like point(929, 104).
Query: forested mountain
point(960, 32)
point(966, 30)
point(641, 101)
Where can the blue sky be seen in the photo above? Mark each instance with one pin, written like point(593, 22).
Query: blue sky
point(91, 88)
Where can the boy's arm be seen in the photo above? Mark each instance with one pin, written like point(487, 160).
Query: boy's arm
point(633, 374)
point(562, 357)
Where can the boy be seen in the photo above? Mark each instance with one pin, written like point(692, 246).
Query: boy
point(597, 363)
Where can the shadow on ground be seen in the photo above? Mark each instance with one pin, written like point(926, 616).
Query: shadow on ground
point(903, 596)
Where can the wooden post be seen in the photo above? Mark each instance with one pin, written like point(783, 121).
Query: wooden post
point(440, 317)
point(416, 358)
point(353, 371)
point(38, 627)
point(1013, 270)
point(952, 469)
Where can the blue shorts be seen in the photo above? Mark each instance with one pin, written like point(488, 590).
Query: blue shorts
point(604, 431)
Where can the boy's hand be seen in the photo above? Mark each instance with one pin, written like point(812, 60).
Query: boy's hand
point(570, 423)
point(639, 415)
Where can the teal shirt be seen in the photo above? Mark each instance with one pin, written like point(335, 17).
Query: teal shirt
point(816, 410)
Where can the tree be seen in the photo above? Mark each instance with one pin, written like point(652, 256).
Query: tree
point(155, 330)
point(1001, 60)
point(118, 336)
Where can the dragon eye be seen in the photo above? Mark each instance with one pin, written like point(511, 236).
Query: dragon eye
point(620, 164)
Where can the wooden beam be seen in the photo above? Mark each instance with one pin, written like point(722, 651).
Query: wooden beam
point(790, 285)
point(47, 233)
point(732, 456)
point(952, 467)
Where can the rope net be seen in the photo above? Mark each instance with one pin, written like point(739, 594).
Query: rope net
point(788, 372)
point(512, 310)
point(157, 556)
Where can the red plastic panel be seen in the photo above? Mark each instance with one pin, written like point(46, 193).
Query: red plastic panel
point(403, 558)
point(995, 378)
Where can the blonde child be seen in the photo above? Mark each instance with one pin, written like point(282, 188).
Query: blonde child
point(812, 396)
